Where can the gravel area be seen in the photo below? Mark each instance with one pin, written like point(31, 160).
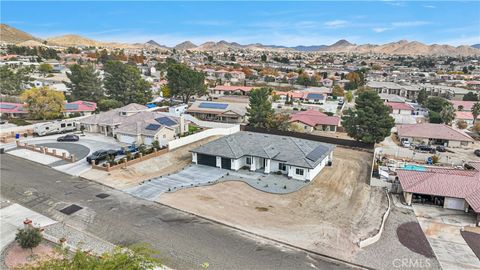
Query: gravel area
point(473, 241)
point(77, 239)
point(389, 253)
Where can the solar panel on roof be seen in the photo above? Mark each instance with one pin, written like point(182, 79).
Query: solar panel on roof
point(71, 106)
point(165, 121)
point(314, 96)
point(152, 127)
point(317, 153)
point(209, 105)
point(7, 106)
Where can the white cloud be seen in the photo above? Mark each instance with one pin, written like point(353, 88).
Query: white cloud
point(409, 23)
point(380, 29)
point(335, 24)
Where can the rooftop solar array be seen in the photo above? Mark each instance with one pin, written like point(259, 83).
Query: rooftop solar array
point(165, 121)
point(317, 153)
point(152, 127)
point(7, 106)
point(314, 96)
point(71, 106)
point(210, 105)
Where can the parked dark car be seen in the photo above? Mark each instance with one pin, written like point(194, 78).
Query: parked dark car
point(441, 148)
point(131, 148)
point(425, 148)
point(477, 152)
point(100, 155)
point(68, 138)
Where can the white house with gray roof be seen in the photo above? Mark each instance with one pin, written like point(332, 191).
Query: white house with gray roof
point(297, 158)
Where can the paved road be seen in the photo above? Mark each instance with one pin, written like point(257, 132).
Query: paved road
point(184, 241)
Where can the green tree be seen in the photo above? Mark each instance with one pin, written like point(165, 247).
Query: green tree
point(436, 104)
point(470, 96)
point(13, 82)
point(45, 68)
point(349, 96)
point(136, 257)
point(29, 238)
point(447, 114)
point(338, 91)
point(85, 83)
point(475, 111)
point(165, 91)
point(124, 83)
point(43, 103)
point(422, 97)
point(264, 58)
point(185, 82)
point(260, 109)
point(370, 121)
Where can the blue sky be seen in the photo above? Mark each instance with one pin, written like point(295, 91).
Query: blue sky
point(279, 23)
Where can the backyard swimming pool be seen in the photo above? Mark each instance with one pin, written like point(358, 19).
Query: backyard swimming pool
point(410, 167)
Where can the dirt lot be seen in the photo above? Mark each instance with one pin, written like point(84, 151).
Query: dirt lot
point(329, 216)
point(161, 165)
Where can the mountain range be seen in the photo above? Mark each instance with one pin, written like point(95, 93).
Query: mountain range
point(11, 35)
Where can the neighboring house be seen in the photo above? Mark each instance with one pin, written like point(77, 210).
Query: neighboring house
point(146, 127)
point(297, 158)
point(77, 107)
point(311, 120)
point(107, 122)
point(450, 188)
point(434, 134)
point(465, 116)
point(80, 107)
point(225, 90)
point(226, 112)
point(460, 105)
point(399, 108)
point(11, 110)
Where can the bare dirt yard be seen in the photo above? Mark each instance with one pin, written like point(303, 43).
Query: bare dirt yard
point(329, 216)
point(154, 167)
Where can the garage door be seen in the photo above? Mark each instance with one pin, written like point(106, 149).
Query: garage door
point(126, 138)
point(226, 163)
point(207, 160)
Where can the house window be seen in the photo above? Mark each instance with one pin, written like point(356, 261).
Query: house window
point(299, 171)
point(282, 166)
point(249, 161)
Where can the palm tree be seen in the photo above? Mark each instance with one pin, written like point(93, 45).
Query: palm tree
point(475, 111)
point(448, 114)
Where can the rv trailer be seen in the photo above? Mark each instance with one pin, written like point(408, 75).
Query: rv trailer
point(55, 127)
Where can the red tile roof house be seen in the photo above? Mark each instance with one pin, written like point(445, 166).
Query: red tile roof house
point(399, 108)
point(16, 109)
point(434, 134)
point(453, 188)
point(465, 116)
point(224, 90)
point(311, 120)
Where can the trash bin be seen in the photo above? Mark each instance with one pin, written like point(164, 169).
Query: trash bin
point(17, 136)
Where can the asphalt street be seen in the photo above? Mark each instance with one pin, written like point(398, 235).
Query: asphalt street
point(183, 240)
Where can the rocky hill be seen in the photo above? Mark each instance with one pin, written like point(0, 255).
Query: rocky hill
point(11, 35)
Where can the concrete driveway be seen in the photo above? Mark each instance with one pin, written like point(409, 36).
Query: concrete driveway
point(81, 149)
point(442, 229)
point(190, 176)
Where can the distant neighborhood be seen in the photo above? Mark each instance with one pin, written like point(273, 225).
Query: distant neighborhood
point(355, 153)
